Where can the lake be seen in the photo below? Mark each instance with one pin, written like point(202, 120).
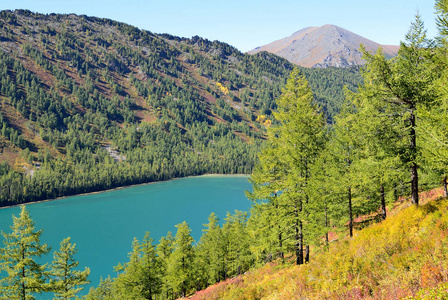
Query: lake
point(103, 225)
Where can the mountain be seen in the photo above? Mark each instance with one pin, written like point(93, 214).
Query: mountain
point(321, 47)
point(88, 104)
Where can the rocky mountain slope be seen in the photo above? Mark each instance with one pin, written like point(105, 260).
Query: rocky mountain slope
point(324, 46)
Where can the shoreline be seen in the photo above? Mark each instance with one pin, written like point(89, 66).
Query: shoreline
point(123, 187)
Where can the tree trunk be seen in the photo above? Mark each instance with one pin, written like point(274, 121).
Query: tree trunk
point(350, 225)
point(326, 226)
point(445, 186)
point(413, 148)
point(280, 245)
point(383, 202)
point(298, 238)
point(307, 254)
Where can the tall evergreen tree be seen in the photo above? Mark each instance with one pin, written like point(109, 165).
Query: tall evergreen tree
point(210, 251)
point(180, 262)
point(296, 141)
point(164, 250)
point(404, 86)
point(65, 281)
point(24, 274)
point(140, 278)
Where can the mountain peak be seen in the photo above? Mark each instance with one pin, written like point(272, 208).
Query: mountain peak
point(324, 46)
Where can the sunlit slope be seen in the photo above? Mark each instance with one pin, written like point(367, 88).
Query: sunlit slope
point(403, 256)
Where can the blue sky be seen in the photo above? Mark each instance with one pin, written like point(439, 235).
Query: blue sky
point(247, 24)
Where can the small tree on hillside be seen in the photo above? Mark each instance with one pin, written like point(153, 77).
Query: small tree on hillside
point(65, 281)
point(25, 276)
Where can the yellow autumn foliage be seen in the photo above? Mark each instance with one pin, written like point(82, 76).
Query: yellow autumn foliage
point(261, 118)
point(222, 88)
point(403, 257)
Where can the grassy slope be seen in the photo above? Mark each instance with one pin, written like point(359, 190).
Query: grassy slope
point(405, 256)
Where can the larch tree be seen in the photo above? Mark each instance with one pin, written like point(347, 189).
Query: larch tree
point(297, 141)
point(140, 278)
point(378, 168)
point(25, 276)
point(210, 251)
point(181, 260)
point(344, 151)
point(237, 254)
point(65, 281)
point(164, 250)
point(404, 85)
point(266, 224)
point(435, 118)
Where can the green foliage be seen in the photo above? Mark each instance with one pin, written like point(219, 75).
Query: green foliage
point(181, 260)
point(141, 278)
point(66, 282)
point(284, 173)
point(399, 90)
point(24, 275)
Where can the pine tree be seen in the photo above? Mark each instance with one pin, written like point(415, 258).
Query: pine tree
point(65, 281)
point(25, 276)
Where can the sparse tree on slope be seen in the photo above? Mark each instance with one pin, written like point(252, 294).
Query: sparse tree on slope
point(404, 84)
point(297, 142)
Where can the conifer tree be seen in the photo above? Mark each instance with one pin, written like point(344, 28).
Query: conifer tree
point(403, 86)
point(180, 262)
point(140, 278)
point(104, 291)
point(237, 253)
point(266, 223)
point(210, 251)
point(435, 118)
point(65, 281)
point(25, 275)
point(164, 250)
point(296, 141)
point(344, 149)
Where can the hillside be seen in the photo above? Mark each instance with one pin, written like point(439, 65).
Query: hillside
point(403, 257)
point(324, 46)
point(89, 104)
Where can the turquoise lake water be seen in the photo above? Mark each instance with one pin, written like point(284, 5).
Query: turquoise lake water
point(103, 225)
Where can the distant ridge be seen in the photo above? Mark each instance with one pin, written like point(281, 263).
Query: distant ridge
point(324, 46)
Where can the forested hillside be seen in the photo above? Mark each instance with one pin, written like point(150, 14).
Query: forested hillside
point(89, 104)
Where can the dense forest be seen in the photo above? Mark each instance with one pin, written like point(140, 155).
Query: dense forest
point(89, 104)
